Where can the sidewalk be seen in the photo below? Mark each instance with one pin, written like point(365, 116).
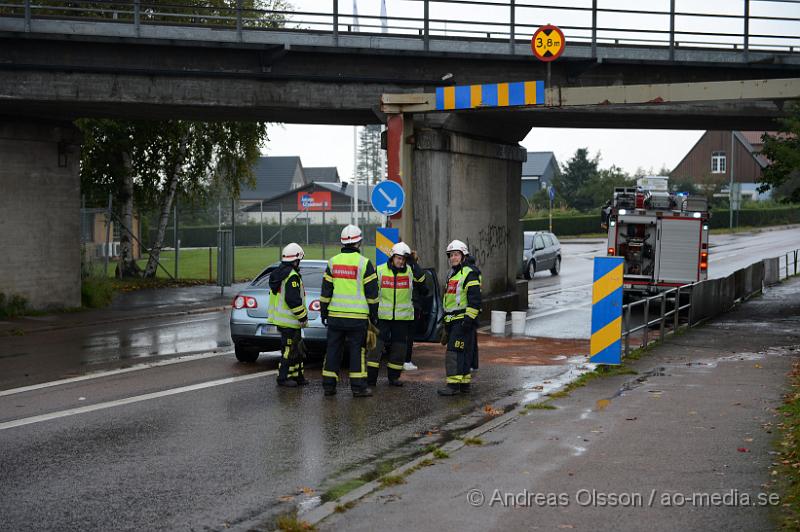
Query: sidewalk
point(147, 303)
point(696, 419)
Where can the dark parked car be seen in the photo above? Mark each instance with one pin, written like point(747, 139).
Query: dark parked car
point(251, 334)
point(541, 251)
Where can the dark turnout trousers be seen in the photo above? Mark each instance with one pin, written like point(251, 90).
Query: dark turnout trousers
point(393, 342)
point(347, 342)
point(291, 364)
point(460, 352)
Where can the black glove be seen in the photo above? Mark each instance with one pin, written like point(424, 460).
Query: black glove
point(373, 320)
point(324, 319)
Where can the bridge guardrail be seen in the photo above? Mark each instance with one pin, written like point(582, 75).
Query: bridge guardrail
point(752, 28)
point(695, 303)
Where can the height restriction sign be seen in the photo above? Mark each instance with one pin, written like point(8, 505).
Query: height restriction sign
point(548, 43)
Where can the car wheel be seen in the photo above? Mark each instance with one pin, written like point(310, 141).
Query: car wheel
point(531, 269)
point(556, 267)
point(246, 355)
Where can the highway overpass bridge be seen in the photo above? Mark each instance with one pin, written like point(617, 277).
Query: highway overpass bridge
point(135, 60)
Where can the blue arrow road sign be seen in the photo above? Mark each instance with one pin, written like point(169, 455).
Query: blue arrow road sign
point(388, 198)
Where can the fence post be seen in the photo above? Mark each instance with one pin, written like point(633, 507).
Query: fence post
point(795, 262)
point(210, 276)
point(512, 29)
point(261, 220)
point(426, 35)
point(336, 22)
point(238, 24)
point(27, 16)
point(672, 30)
point(677, 309)
point(746, 29)
point(663, 318)
point(324, 234)
point(137, 20)
point(594, 28)
point(627, 329)
point(175, 236)
point(646, 321)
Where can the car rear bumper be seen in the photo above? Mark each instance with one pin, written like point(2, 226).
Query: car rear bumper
point(245, 334)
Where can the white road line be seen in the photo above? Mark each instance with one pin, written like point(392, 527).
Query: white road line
point(99, 374)
point(131, 400)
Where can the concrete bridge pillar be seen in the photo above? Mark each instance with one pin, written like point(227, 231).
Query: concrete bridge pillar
point(468, 188)
point(40, 245)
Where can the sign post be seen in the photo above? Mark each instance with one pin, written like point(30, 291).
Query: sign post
point(552, 194)
point(548, 44)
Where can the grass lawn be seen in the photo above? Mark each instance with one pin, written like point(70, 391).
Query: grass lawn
point(248, 261)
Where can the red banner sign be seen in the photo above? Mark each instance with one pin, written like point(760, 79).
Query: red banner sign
point(314, 201)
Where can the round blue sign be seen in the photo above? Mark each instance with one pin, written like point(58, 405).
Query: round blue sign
point(388, 198)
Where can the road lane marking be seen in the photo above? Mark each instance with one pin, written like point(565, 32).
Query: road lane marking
point(99, 374)
point(131, 400)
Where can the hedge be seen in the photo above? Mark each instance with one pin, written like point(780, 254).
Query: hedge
point(720, 218)
point(250, 235)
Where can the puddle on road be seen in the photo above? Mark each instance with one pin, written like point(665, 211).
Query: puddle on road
point(575, 367)
point(710, 363)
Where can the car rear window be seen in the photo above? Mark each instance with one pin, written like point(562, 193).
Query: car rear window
point(312, 277)
point(554, 239)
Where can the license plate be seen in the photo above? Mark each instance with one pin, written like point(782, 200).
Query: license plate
point(265, 330)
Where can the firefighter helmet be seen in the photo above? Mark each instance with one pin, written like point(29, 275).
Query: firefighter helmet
point(351, 234)
point(292, 252)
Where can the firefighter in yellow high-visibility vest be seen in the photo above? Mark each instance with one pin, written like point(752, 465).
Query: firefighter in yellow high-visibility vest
point(462, 303)
point(287, 310)
point(349, 302)
point(397, 279)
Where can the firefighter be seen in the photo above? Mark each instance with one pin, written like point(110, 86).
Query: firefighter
point(397, 279)
point(287, 310)
point(349, 303)
point(462, 303)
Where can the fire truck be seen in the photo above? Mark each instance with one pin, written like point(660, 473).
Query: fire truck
point(662, 236)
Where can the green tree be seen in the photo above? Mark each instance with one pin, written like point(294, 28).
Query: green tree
point(369, 166)
point(783, 152)
point(600, 188)
point(575, 173)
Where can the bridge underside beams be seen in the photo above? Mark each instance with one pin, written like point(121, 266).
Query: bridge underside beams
point(468, 189)
point(40, 213)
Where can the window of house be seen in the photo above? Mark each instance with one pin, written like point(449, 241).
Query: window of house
point(718, 162)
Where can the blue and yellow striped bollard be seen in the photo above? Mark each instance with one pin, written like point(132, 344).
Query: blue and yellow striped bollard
point(606, 343)
point(385, 238)
point(512, 94)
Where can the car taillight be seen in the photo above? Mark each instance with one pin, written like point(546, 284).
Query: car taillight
point(244, 301)
point(314, 306)
point(250, 302)
point(612, 251)
point(238, 302)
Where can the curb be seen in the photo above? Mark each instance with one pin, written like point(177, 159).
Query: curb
point(190, 312)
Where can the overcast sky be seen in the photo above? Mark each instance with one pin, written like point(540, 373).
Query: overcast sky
point(628, 149)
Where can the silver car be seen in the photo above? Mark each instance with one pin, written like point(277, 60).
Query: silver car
point(251, 334)
point(541, 251)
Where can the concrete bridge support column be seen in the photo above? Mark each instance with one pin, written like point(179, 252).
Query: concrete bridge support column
point(40, 245)
point(469, 189)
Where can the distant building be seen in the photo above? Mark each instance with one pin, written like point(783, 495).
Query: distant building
point(711, 158)
point(538, 172)
point(273, 176)
point(322, 174)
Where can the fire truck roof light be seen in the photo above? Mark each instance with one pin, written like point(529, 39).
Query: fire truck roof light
point(697, 215)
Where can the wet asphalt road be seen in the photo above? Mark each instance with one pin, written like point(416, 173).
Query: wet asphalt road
point(208, 442)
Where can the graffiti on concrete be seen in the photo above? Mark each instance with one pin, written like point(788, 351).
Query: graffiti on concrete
point(492, 241)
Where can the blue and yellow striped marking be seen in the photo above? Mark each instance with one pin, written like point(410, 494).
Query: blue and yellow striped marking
point(490, 95)
point(605, 345)
point(385, 238)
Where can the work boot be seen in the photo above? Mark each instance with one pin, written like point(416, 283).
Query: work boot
point(364, 392)
point(330, 391)
point(465, 388)
point(450, 389)
point(287, 383)
point(396, 382)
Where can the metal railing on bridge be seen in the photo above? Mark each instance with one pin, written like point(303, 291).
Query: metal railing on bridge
point(692, 304)
point(745, 25)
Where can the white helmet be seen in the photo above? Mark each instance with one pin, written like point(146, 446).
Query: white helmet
point(457, 245)
point(351, 234)
point(292, 252)
point(401, 248)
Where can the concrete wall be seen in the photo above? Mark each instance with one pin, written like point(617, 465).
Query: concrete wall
point(469, 189)
point(40, 213)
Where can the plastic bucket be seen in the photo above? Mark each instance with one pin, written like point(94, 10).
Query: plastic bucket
point(499, 321)
point(518, 321)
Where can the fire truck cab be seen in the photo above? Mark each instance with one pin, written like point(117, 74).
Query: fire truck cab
point(662, 236)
